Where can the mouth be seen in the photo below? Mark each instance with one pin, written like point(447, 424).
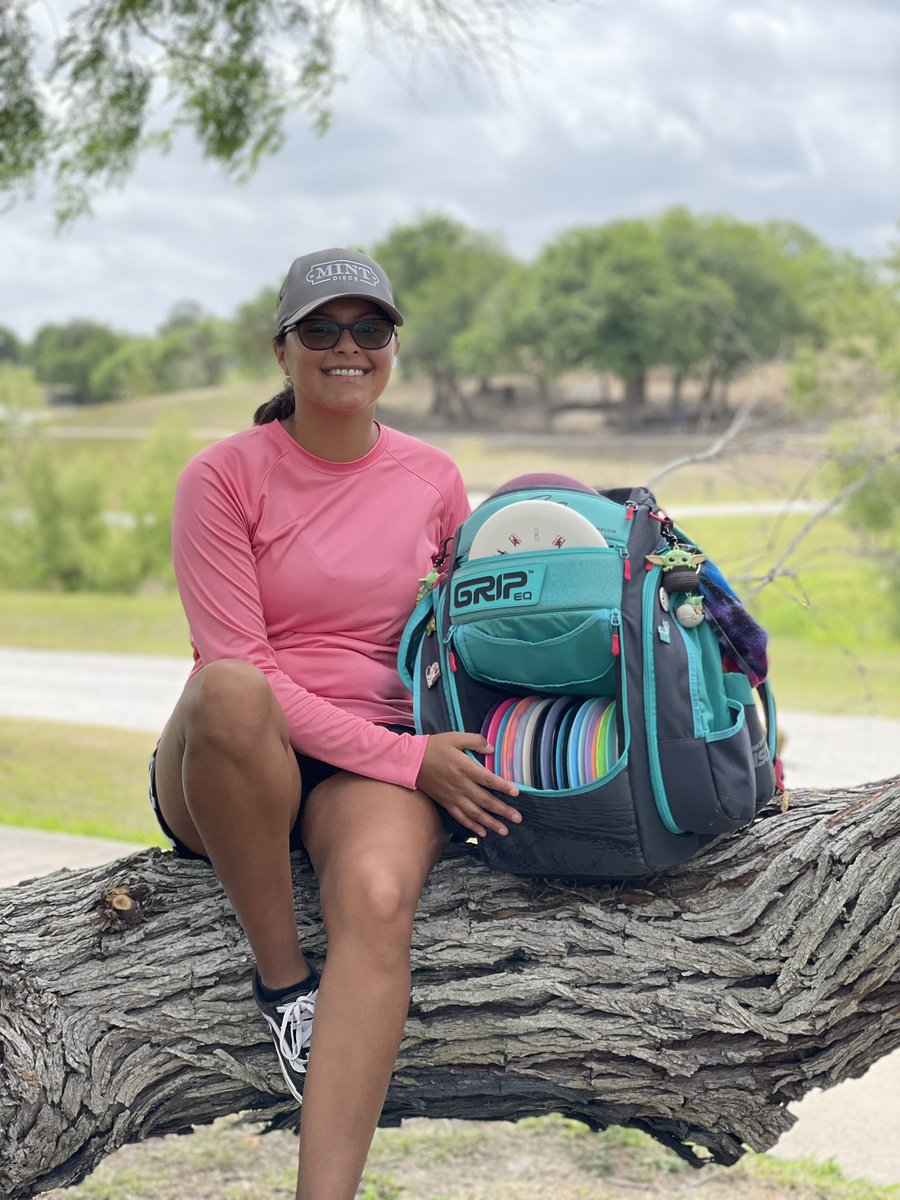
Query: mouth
point(346, 372)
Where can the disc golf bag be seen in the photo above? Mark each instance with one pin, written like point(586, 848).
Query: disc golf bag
point(619, 678)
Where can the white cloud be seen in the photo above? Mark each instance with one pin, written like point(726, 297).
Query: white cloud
point(763, 108)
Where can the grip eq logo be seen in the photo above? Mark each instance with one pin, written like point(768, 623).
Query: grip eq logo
point(495, 588)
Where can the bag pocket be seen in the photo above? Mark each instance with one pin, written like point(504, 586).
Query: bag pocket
point(710, 782)
point(540, 621)
point(591, 834)
point(577, 659)
point(701, 765)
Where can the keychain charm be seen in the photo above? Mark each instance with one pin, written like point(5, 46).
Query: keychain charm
point(432, 674)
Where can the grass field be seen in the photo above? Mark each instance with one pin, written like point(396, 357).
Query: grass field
point(115, 624)
point(77, 779)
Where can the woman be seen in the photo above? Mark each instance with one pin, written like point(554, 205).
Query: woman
point(298, 545)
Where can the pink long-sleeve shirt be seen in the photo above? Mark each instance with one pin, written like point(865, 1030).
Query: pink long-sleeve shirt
point(309, 569)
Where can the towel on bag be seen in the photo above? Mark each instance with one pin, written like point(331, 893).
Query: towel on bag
point(742, 641)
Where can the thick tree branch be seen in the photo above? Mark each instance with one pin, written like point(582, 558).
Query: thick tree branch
point(694, 1005)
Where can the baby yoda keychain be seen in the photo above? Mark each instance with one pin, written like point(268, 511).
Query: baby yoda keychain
point(680, 573)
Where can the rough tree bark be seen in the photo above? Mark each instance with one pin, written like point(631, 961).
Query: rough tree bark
point(694, 1005)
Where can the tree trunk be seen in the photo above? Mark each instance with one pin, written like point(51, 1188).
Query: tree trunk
point(706, 405)
point(694, 1005)
point(676, 403)
point(544, 398)
point(635, 397)
point(448, 400)
point(440, 398)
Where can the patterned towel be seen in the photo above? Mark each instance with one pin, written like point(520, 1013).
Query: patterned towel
point(742, 641)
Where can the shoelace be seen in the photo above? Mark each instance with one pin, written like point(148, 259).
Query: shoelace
point(296, 1026)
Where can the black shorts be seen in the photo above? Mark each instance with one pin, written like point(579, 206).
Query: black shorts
point(312, 772)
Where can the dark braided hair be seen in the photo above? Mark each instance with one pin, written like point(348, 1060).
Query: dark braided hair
point(279, 406)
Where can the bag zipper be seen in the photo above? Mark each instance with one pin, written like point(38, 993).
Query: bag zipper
point(447, 661)
point(693, 681)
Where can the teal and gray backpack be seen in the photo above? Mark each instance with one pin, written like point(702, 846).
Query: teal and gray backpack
point(614, 674)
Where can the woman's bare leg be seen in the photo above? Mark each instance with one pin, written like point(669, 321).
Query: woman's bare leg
point(372, 845)
point(229, 787)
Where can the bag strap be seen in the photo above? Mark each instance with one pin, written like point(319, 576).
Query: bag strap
point(411, 639)
point(768, 699)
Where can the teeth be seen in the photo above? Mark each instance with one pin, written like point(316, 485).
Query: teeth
point(352, 371)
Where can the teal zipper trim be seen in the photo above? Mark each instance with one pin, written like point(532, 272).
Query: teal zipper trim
point(693, 668)
point(446, 673)
point(771, 721)
point(417, 686)
point(651, 584)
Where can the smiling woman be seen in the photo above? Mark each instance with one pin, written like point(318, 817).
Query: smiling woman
point(298, 548)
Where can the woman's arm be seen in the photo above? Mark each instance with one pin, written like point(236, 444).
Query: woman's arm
point(219, 587)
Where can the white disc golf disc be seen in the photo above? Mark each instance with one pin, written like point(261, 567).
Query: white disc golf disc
point(533, 525)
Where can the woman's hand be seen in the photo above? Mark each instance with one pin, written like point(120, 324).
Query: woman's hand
point(460, 785)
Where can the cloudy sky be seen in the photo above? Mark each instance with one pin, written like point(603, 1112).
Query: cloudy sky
point(759, 108)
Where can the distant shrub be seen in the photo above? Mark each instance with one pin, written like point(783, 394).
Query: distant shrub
point(56, 530)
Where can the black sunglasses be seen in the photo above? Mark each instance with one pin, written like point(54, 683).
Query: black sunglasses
point(369, 333)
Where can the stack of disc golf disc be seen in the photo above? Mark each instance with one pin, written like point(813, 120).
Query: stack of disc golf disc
point(552, 743)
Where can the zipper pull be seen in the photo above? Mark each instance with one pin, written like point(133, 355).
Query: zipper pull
point(627, 567)
point(452, 660)
point(630, 510)
point(616, 621)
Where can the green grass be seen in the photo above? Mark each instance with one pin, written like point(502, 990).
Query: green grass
point(114, 624)
point(76, 779)
point(802, 1177)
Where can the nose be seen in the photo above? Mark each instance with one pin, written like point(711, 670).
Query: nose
point(345, 342)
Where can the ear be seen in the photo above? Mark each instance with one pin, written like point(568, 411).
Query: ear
point(656, 559)
point(278, 351)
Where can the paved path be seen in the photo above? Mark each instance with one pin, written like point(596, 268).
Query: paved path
point(120, 691)
point(856, 1123)
point(133, 691)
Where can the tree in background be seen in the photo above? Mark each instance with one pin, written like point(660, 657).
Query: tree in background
point(11, 350)
point(192, 349)
point(251, 334)
point(125, 77)
point(700, 296)
point(608, 300)
point(131, 370)
point(852, 370)
point(741, 306)
point(441, 272)
point(64, 356)
point(499, 339)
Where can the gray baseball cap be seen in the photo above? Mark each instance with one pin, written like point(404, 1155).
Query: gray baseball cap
point(327, 275)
